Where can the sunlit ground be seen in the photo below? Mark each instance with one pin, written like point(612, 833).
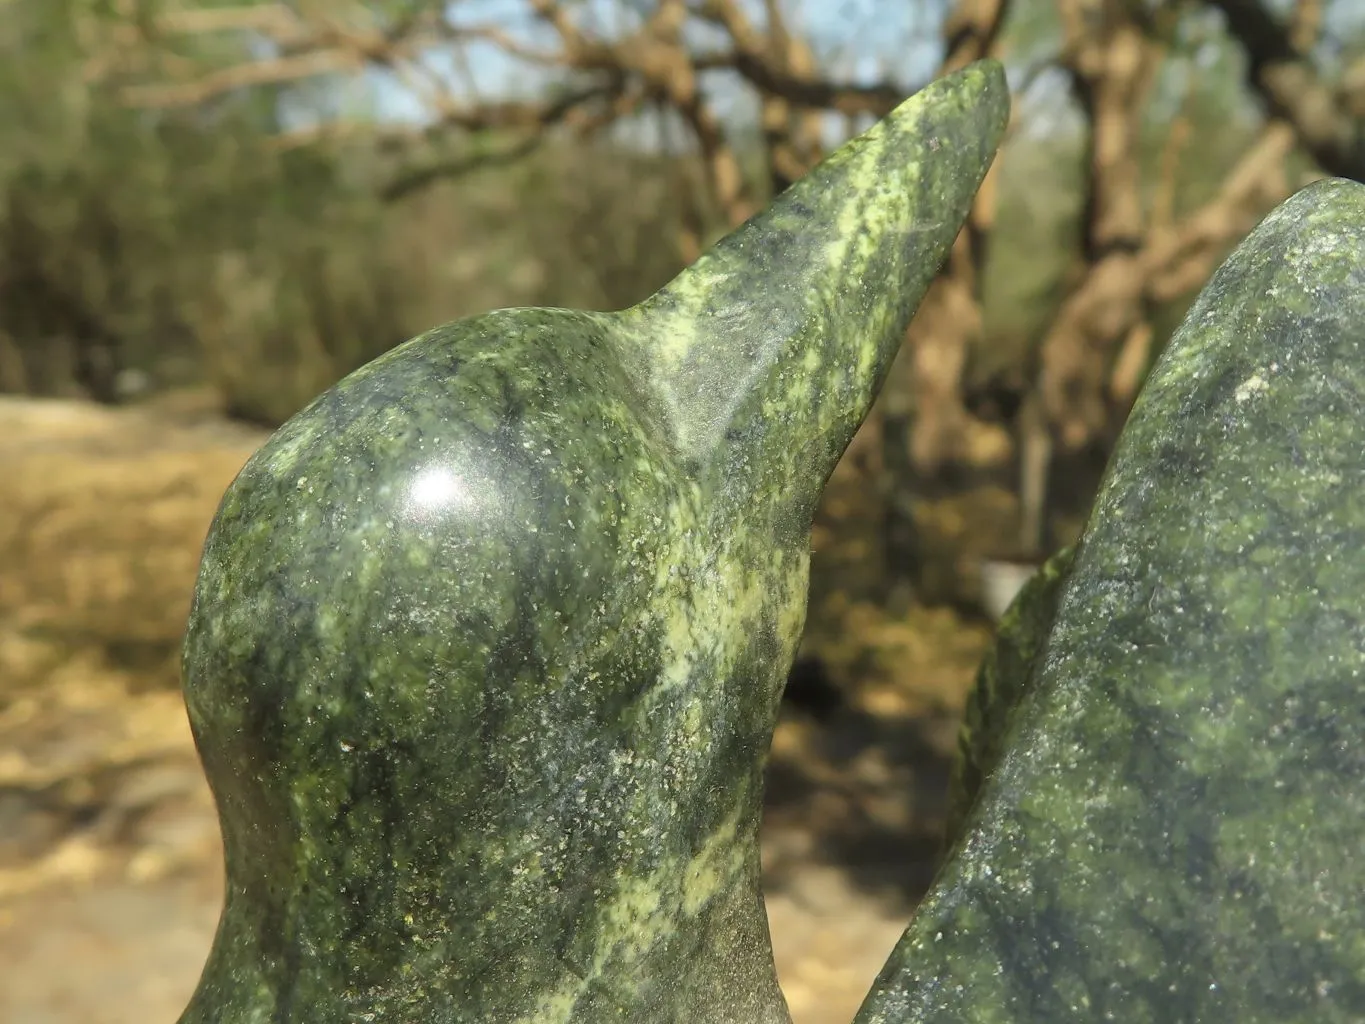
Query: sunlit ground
point(110, 872)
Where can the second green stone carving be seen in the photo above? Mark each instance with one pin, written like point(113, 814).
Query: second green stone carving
point(1172, 729)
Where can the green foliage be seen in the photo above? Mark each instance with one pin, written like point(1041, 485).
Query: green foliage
point(199, 244)
point(204, 243)
point(171, 243)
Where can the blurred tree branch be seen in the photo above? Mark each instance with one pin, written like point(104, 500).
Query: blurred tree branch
point(615, 77)
point(949, 325)
point(1328, 120)
point(1094, 354)
point(1138, 249)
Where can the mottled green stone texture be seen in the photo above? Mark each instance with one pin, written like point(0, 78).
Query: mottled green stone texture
point(487, 643)
point(1001, 684)
point(1175, 826)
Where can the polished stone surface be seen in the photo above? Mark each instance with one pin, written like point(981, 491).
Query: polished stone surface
point(1175, 826)
point(488, 641)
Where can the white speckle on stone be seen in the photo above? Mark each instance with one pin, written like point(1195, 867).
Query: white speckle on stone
point(1253, 385)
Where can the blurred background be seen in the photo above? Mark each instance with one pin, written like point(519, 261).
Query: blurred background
point(210, 211)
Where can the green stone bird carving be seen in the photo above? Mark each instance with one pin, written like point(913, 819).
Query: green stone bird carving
point(487, 644)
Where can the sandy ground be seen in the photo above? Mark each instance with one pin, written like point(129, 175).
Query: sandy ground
point(110, 872)
point(109, 889)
